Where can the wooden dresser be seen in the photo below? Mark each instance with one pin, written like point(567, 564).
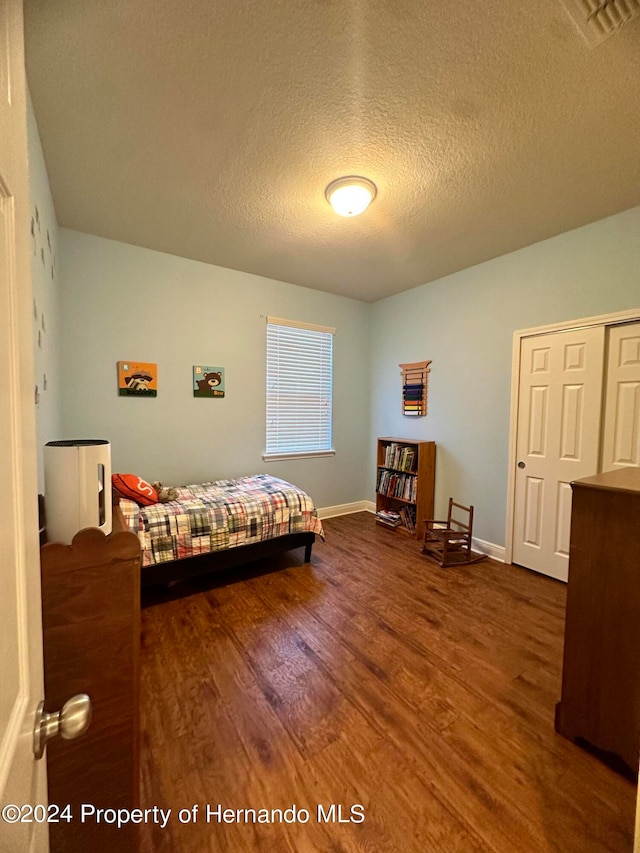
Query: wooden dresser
point(91, 640)
point(601, 676)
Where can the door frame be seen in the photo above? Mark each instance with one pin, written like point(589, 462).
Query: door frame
point(22, 777)
point(567, 326)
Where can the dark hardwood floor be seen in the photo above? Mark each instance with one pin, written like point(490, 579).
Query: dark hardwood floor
point(372, 677)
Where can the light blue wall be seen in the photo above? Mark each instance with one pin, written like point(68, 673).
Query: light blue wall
point(45, 283)
point(465, 324)
point(122, 302)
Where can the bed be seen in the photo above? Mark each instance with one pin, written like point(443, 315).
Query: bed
point(218, 525)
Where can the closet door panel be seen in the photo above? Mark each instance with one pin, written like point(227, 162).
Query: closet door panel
point(621, 437)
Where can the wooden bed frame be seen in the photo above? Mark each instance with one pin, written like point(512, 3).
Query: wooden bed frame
point(214, 561)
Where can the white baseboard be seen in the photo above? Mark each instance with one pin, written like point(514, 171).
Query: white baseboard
point(345, 509)
point(496, 552)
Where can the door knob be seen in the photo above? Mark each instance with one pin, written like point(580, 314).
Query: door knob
point(521, 465)
point(72, 721)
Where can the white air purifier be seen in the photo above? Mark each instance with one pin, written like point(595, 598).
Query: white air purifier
point(77, 487)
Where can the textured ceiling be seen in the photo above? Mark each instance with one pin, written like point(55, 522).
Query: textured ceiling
point(210, 129)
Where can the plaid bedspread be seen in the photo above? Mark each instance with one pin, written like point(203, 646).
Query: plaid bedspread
point(223, 514)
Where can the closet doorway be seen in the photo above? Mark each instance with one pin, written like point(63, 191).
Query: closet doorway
point(575, 411)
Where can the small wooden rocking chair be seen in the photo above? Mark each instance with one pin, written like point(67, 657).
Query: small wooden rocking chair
point(449, 542)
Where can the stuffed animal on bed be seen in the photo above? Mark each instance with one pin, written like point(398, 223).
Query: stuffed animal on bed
point(165, 493)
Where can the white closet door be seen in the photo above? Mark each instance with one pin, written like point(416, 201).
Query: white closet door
point(621, 441)
point(559, 412)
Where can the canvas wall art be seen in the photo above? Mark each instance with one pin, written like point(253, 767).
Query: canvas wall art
point(137, 379)
point(208, 381)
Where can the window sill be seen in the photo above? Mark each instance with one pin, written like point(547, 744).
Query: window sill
point(307, 454)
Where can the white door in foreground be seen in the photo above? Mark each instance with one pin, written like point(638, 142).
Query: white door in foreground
point(22, 778)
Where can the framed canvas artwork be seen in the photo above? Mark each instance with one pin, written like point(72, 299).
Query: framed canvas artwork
point(137, 379)
point(208, 381)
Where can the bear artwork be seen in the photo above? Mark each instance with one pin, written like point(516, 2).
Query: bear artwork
point(208, 381)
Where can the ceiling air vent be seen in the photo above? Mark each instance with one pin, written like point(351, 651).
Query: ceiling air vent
point(598, 19)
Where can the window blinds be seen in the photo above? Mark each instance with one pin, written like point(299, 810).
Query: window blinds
point(299, 387)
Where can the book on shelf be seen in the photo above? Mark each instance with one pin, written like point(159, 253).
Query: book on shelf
point(388, 517)
point(408, 518)
point(396, 485)
point(399, 456)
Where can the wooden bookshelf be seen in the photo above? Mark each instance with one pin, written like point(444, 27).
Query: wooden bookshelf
point(405, 482)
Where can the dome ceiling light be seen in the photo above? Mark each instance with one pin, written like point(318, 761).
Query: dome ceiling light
point(350, 196)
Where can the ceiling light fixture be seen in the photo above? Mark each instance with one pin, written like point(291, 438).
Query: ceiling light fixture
point(350, 196)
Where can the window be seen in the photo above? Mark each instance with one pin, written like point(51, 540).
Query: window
point(299, 389)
